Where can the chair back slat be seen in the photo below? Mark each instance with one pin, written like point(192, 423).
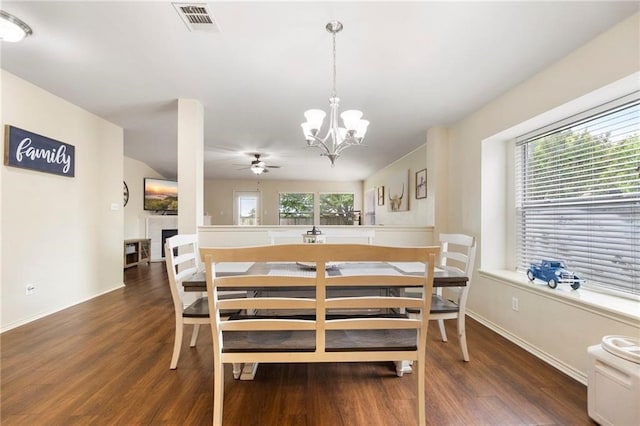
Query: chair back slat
point(462, 252)
point(267, 303)
point(181, 253)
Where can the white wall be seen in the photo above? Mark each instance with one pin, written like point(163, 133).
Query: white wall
point(238, 236)
point(134, 214)
point(478, 186)
point(218, 196)
point(420, 211)
point(59, 233)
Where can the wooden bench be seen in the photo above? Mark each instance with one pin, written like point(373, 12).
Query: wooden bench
point(319, 329)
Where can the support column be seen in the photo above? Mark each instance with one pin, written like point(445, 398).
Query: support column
point(190, 165)
point(437, 178)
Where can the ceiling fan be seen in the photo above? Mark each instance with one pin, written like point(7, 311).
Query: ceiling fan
point(258, 166)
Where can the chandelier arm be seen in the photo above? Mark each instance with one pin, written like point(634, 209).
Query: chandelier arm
point(322, 144)
point(319, 143)
point(326, 137)
point(344, 145)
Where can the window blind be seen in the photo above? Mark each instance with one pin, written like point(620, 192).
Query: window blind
point(578, 196)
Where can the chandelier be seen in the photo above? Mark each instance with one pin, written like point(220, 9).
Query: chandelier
point(337, 138)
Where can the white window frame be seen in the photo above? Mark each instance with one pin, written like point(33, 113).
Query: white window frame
point(598, 282)
point(237, 196)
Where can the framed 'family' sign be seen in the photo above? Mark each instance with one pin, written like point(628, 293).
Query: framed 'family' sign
point(29, 150)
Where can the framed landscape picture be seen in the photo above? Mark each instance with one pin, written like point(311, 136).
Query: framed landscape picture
point(421, 184)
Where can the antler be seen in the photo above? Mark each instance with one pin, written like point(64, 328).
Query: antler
point(401, 194)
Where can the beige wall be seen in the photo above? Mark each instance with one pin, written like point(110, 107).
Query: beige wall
point(219, 194)
point(480, 203)
point(420, 211)
point(64, 235)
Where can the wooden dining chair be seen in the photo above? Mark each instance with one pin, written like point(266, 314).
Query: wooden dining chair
point(181, 257)
point(456, 251)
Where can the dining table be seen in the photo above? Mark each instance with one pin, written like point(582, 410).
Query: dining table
point(444, 276)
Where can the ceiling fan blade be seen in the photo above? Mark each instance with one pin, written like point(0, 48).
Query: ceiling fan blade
point(273, 167)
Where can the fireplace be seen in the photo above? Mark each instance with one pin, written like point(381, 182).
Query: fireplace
point(167, 233)
point(155, 224)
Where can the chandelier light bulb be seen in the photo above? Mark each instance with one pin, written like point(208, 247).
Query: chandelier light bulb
point(351, 119)
point(361, 130)
point(315, 117)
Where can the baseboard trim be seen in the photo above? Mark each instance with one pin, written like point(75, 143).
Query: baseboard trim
point(549, 359)
point(53, 311)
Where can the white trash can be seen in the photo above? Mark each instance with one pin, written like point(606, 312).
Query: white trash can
point(614, 381)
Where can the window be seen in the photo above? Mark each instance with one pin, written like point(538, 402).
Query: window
point(578, 196)
point(336, 209)
point(247, 208)
point(296, 208)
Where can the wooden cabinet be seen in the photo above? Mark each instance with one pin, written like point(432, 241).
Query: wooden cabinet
point(136, 252)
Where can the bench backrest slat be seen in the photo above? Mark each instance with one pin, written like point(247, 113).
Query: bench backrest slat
point(354, 314)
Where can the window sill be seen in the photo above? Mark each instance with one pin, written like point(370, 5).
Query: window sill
point(619, 308)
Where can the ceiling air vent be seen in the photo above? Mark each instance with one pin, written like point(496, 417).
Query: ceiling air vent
point(196, 16)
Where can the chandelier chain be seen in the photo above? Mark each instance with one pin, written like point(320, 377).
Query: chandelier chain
point(334, 65)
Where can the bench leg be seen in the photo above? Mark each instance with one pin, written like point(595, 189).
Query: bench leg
point(218, 392)
point(422, 414)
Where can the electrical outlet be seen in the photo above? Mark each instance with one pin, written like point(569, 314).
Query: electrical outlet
point(31, 288)
point(514, 304)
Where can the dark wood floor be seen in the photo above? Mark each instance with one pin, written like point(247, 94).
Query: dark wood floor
point(106, 361)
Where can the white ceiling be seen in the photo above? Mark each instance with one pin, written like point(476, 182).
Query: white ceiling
point(407, 66)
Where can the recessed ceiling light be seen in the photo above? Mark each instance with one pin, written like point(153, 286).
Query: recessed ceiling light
point(11, 28)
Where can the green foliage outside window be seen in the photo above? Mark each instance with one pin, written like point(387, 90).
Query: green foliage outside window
point(296, 208)
point(336, 209)
point(590, 166)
